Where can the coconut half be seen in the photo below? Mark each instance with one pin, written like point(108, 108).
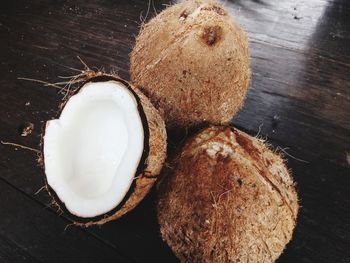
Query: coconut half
point(107, 143)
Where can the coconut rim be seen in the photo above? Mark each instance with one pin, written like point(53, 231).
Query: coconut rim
point(141, 168)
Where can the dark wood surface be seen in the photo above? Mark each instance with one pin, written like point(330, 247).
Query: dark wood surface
point(299, 100)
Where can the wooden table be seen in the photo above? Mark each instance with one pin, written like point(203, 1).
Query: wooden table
point(299, 100)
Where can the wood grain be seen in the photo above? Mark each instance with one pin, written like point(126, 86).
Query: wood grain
point(299, 99)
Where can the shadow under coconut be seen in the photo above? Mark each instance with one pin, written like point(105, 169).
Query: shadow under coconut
point(137, 240)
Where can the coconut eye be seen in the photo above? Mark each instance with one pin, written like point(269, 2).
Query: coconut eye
point(184, 14)
point(211, 35)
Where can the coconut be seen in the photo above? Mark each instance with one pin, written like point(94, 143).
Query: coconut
point(192, 61)
point(103, 153)
point(227, 198)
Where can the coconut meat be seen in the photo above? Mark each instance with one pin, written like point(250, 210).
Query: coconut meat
point(91, 153)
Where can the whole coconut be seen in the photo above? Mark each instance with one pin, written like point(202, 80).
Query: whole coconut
point(192, 61)
point(228, 198)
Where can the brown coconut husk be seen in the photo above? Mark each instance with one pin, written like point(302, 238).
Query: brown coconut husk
point(151, 162)
point(227, 198)
point(192, 61)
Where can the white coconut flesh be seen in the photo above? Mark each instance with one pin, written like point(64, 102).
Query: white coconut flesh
point(92, 152)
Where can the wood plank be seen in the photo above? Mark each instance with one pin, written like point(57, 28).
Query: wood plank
point(35, 232)
point(322, 233)
point(11, 252)
point(300, 75)
point(299, 99)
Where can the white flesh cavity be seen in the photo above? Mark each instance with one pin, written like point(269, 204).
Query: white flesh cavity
point(92, 151)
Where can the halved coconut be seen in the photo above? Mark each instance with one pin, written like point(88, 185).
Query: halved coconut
point(104, 152)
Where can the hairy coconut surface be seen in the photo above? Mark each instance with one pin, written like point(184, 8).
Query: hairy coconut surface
point(227, 198)
point(192, 61)
point(104, 152)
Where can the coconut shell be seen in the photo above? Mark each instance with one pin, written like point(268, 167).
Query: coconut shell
point(192, 61)
point(148, 171)
point(227, 198)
